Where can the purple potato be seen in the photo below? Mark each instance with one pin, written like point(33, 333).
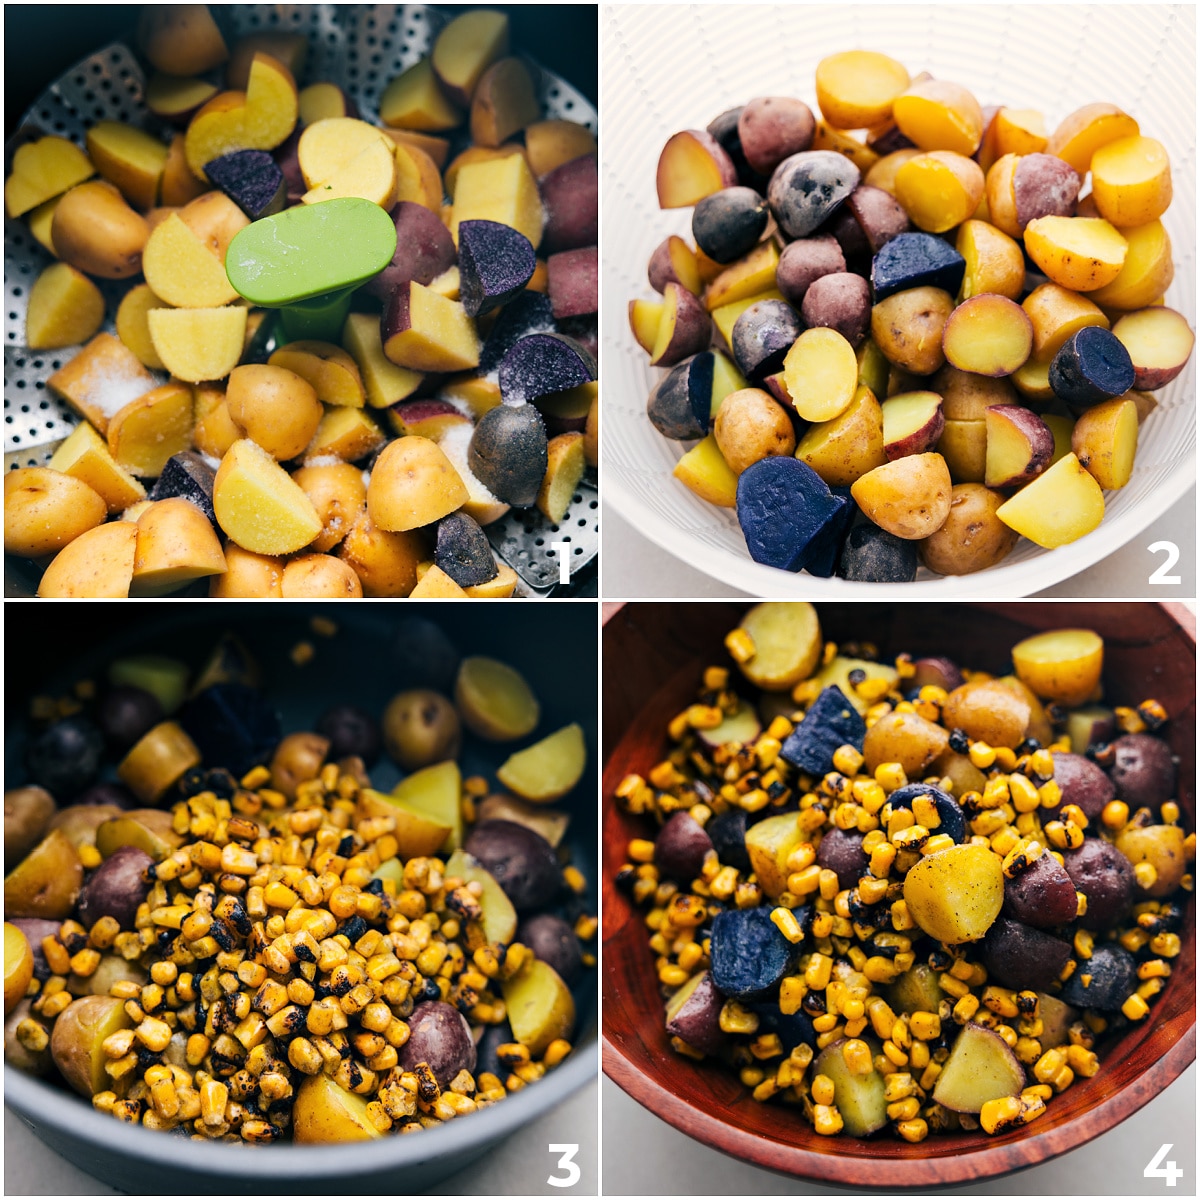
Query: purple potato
point(116, 888)
point(729, 223)
point(681, 848)
point(126, 714)
point(522, 862)
point(188, 476)
point(841, 851)
point(936, 672)
point(440, 1037)
point(1143, 771)
point(424, 250)
point(1104, 981)
point(1043, 895)
point(495, 263)
point(351, 731)
point(252, 179)
point(1105, 876)
point(679, 404)
point(807, 188)
point(108, 792)
point(65, 757)
point(554, 942)
point(529, 313)
point(762, 336)
point(542, 364)
point(1082, 783)
point(508, 453)
point(463, 551)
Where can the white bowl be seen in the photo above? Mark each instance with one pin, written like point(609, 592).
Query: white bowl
point(668, 68)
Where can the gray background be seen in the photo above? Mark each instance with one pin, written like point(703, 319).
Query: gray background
point(517, 1167)
point(647, 1157)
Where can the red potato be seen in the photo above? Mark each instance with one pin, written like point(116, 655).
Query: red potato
point(988, 335)
point(1043, 186)
point(570, 200)
point(841, 301)
point(673, 261)
point(803, 262)
point(574, 282)
point(424, 250)
point(1159, 341)
point(1019, 446)
point(692, 165)
point(880, 215)
point(772, 128)
point(685, 328)
point(912, 423)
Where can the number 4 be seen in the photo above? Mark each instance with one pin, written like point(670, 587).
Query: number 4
point(1170, 1172)
point(566, 1162)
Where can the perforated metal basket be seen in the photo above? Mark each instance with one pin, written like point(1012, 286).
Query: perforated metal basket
point(359, 47)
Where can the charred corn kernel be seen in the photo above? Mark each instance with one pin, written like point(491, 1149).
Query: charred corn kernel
point(801, 858)
point(1135, 1008)
point(925, 812)
point(901, 917)
point(740, 645)
point(1129, 720)
point(784, 920)
point(925, 1025)
point(1049, 1065)
point(704, 716)
point(857, 1056)
point(1050, 794)
point(214, 1098)
point(1000, 1114)
point(1166, 945)
point(904, 1110)
point(736, 1019)
point(847, 760)
point(1115, 814)
point(818, 971)
point(981, 755)
point(890, 777)
point(766, 1045)
point(1082, 1061)
point(1083, 944)
point(827, 1121)
point(916, 1130)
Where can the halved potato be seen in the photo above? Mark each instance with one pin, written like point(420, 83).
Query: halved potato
point(549, 769)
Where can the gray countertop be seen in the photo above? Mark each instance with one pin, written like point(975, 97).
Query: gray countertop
point(634, 567)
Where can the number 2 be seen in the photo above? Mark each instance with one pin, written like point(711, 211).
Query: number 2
point(566, 1162)
point(1169, 1171)
point(1172, 553)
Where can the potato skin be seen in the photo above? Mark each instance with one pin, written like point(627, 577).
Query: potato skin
point(907, 326)
point(750, 426)
point(44, 510)
point(909, 497)
point(841, 851)
point(1082, 783)
point(522, 863)
point(440, 1037)
point(1144, 770)
point(1105, 876)
point(28, 812)
point(803, 262)
point(115, 888)
point(1162, 846)
point(987, 711)
point(554, 942)
point(96, 231)
point(420, 727)
point(771, 128)
point(906, 738)
point(297, 759)
point(681, 847)
point(840, 301)
point(808, 187)
point(973, 538)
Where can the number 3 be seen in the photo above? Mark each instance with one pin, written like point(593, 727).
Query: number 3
point(566, 1162)
point(1169, 1171)
point(1172, 552)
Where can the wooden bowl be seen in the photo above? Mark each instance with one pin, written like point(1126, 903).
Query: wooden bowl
point(654, 655)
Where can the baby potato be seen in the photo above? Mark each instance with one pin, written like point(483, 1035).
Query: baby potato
point(28, 812)
point(275, 407)
point(540, 1006)
point(973, 538)
point(298, 758)
point(44, 510)
point(750, 425)
point(338, 494)
point(787, 644)
point(549, 769)
point(46, 882)
point(18, 966)
point(96, 231)
point(907, 739)
point(1062, 665)
point(956, 894)
point(909, 497)
point(907, 326)
point(1159, 845)
point(987, 711)
point(320, 575)
point(420, 727)
point(77, 1041)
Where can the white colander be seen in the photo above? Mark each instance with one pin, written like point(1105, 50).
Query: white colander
point(668, 68)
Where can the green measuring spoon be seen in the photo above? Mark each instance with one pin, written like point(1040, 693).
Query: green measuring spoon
point(308, 260)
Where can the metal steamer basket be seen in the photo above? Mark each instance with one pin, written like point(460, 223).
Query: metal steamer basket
point(359, 47)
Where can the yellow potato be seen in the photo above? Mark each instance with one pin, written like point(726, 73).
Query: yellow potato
point(1131, 181)
point(909, 497)
point(65, 309)
point(274, 407)
point(385, 562)
point(908, 328)
point(95, 230)
point(1081, 253)
point(46, 882)
point(339, 496)
point(97, 563)
point(1059, 506)
point(907, 739)
point(320, 575)
point(1063, 665)
point(768, 843)
point(549, 769)
point(149, 829)
point(157, 761)
point(1162, 846)
point(973, 537)
point(955, 894)
point(413, 484)
point(540, 1006)
point(259, 506)
point(45, 510)
point(787, 644)
point(176, 543)
point(325, 1112)
point(248, 575)
point(417, 834)
point(499, 918)
point(77, 1041)
point(435, 792)
point(494, 701)
point(18, 966)
point(988, 711)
